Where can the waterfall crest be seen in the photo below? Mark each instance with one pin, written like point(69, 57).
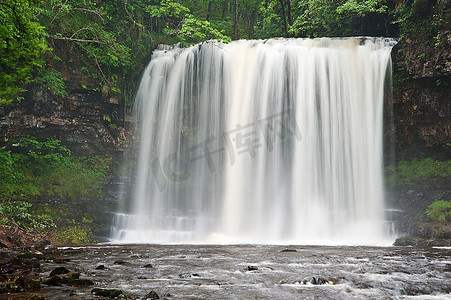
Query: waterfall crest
point(276, 141)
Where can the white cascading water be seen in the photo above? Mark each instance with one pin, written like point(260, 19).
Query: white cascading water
point(276, 141)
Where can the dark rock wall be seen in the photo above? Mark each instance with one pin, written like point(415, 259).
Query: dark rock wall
point(77, 120)
point(89, 122)
point(420, 110)
point(421, 98)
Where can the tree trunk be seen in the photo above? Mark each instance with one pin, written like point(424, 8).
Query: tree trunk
point(285, 27)
point(210, 5)
point(252, 19)
point(235, 24)
point(224, 9)
point(290, 20)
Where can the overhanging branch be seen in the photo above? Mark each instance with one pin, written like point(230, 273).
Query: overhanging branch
point(55, 37)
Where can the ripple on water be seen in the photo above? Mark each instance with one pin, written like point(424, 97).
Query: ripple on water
point(222, 272)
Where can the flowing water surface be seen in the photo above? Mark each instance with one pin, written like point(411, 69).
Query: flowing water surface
point(261, 272)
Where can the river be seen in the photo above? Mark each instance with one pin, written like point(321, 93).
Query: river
point(258, 271)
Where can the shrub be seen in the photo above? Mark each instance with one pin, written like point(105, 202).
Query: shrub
point(46, 174)
point(73, 235)
point(20, 212)
point(439, 211)
point(410, 172)
point(48, 169)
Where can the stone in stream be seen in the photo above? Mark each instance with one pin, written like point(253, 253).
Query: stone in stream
point(252, 268)
point(57, 280)
point(101, 267)
point(61, 260)
point(26, 284)
point(188, 275)
point(53, 281)
point(59, 271)
point(121, 262)
point(6, 270)
point(110, 293)
point(148, 266)
point(36, 297)
point(80, 282)
point(152, 295)
point(315, 280)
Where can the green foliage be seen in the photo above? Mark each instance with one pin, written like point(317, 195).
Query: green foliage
point(21, 44)
point(107, 120)
point(19, 212)
point(47, 169)
point(73, 235)
point(439, 211)
point(110, 41)
point(362, 8)
point(51, 80)
point(179, 22)
point(318, 18)
point(269, 25)
point(424, 18)
point(46, 174)
point(8, 171)
point(168, 11)
point(409, 172)
point(194, 30)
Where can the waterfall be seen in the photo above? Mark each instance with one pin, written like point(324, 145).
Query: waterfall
point(275, 141)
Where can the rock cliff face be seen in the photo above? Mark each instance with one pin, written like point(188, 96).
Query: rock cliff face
point(77, 120)
point(422, 97)
point(421, 114)
point(87, 121)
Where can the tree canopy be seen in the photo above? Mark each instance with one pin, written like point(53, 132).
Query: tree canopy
point(21, 45)
point(113, 39)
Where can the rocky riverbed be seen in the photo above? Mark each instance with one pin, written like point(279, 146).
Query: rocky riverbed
point(226, 272)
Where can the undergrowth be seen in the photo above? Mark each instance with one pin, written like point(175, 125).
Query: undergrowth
point(407, 173)
point(46, 190)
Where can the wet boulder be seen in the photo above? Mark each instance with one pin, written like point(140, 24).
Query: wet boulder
point(188, 275)
point(110, 293)
point(24, 263)
point(152, 295)
point(101, 267)
point(53, 281)
point(61, 260)
point(26, 284)
point(57, 280)
point(59, 271)
point(315, 280)
point(6, 270)
point(80, 282)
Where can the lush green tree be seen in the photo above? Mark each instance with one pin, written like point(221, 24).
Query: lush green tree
point(111, 41)
point(21, 45)
point(179, 22)
point(316, 18)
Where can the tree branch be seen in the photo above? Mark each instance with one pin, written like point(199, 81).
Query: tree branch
point(97, 63)
point(88, 10)
point(55, 37)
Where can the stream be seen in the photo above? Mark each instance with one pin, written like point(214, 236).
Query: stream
point(257, 272)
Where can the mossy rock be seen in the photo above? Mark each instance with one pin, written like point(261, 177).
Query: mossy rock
point(110, 293)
